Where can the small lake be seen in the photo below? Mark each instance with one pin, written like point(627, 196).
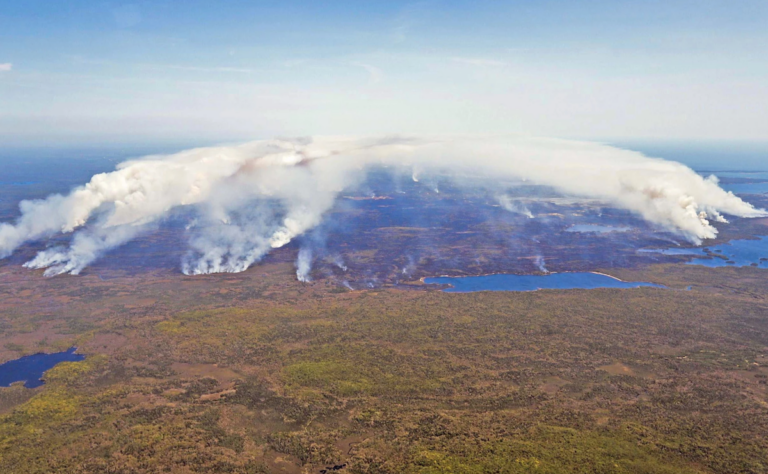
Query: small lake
point(552, 281)
point(29, 369)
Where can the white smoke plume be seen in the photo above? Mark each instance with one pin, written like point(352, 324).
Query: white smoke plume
point(304, 264)
point(509, 205)
point(339, 262)
point(409, 267)
point(261, 195)
point(539, 261)
point(86, 247)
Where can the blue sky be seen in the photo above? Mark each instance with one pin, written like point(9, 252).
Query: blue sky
point(90, 71)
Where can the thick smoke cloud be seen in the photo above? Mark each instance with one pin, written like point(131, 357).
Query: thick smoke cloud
point(259, 196)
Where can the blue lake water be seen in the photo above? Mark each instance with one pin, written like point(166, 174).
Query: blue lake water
point(675, 251)
point(743, 188)
point(18, 183)
point(742, 253)
point(741, 174)
point(746, 188)
point(553, 281)
point(595, 228)
point(30, 369)
point(711, 156)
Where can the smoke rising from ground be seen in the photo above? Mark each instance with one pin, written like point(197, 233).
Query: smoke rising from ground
point(261, 195)
point(508, 204)
point(304, 265)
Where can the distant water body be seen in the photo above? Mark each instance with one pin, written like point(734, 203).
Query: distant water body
point(706, 156)
point(595, 229)
point(553, 281)
point(743, 174)
point(736, 253)
point(675, 251)
point(30, 369)
point(746, 188)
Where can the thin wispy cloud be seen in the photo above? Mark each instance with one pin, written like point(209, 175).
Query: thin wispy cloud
point(295, 62)
point(181, 67)
point(409, 16)
point(485, 62)
point(423, 65)
point(375, 74)
point(161, 66)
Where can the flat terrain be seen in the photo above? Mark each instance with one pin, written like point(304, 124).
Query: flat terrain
point(255, 372)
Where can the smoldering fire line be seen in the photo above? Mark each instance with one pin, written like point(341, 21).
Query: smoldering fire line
point(306, 175)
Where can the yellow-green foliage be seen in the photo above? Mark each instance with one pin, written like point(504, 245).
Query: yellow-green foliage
point(83, 338)
point(354, 369)
point(204, 336)
point(171, 327)
point(545, 450)
point(69, 372)
point(27, 434)
point(29, 426)
point(56, 402)
point(53, 405)
point(62, 344)
point(216, 324)
point(343, 378)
